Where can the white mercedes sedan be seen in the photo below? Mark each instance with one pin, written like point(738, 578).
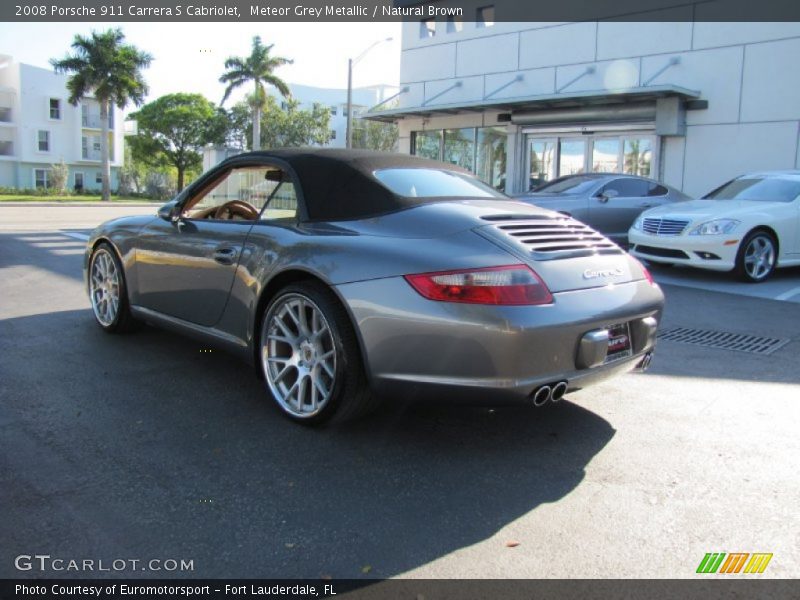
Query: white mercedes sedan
point(750, 225)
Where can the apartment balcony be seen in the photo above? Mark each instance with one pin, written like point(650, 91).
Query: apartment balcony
point(91, 155)
point(6, 148)
point(5, 114)
point(94, 122)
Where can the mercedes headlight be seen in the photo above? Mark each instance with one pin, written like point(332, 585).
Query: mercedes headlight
point(637, 224)
point(715, 227)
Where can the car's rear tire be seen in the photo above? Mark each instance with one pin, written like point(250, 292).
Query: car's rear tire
point(108, 292)
point(310, 357)
point(757, 256)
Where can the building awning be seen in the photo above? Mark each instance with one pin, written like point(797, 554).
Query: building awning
point(564, 100)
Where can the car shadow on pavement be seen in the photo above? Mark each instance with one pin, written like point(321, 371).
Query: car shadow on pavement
point(152, 446)
point(53, 251)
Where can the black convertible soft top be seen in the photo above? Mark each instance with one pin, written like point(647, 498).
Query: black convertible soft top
point(339, 184)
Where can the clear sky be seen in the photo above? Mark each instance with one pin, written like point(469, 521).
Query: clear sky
point(189, 57)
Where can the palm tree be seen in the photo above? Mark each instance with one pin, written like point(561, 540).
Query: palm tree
point(106, 68)
point(258, 68)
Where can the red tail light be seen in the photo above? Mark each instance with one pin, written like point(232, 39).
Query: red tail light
point(506, 285)
point(647, 274)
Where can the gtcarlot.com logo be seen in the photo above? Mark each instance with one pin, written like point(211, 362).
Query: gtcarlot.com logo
point(45, 562)
point(733, 563)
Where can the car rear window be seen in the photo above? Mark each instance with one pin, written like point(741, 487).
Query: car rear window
point(757, 188)
point(434, 183)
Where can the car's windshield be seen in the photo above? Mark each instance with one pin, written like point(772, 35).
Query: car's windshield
point(434, 183)
point(757, 188)
point(571, 185)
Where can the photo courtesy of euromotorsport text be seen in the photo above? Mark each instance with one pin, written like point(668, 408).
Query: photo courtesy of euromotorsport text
point(399, 299)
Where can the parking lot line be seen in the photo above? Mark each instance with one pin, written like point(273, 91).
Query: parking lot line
point(788, 294)
point(77, 236)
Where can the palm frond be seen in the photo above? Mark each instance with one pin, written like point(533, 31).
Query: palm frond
point(279, 84)
point(103, 65)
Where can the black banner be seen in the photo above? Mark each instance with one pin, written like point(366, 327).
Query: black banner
point(702, 588)
point(395, 10)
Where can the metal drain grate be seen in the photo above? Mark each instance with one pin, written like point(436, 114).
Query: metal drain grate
point(724, 340)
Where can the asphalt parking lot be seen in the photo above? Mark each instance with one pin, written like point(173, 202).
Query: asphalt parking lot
point(148, 446)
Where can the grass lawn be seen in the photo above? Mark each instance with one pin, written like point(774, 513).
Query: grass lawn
point(82, 198)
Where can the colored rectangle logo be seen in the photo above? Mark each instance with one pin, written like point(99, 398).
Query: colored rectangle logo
point(734, 563)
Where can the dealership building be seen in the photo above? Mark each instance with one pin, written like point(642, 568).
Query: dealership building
point(688, 103)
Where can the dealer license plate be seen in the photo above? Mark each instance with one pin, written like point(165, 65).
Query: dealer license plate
point(619, 342)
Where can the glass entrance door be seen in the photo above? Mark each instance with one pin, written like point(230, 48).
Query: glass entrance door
point(605, 155)
point(549, 157)
point(541, 161)
point(571, 156)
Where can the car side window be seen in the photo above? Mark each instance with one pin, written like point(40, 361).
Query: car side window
point(627, 187)
point(657, 190)
point(282, 203)
point(245, 193)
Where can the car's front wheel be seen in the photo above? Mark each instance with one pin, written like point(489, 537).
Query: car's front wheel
point(757, 257)
point(310, 356)
point(107, 291)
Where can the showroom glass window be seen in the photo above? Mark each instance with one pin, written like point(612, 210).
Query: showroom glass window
point(605, 155)
point(459, 147)
point(552, 156)
point(427, 144)
point(490, 156)
point(481, 150)
point(571, 157)
point(542, 159)
point(637, 156)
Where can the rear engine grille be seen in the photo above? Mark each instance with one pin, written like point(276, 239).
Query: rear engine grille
point(549, 238)
point(664, 226)
point(663, 252)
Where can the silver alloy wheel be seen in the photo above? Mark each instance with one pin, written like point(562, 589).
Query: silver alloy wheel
point(298, 355)
point(759, 257)
point(104, 287)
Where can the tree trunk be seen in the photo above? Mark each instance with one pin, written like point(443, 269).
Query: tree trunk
point(104, 153)
point(256, 120)
point(180, 179)
point(257, 128)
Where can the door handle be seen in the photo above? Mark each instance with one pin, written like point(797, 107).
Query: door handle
point(226, 256)
point(647, 205)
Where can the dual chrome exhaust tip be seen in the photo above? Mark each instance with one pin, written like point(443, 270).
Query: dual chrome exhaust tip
point(644, 364)
point(553, 392)
point(549, 393)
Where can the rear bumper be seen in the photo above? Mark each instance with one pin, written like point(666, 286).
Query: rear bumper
point(695, 251)
point(414, 347)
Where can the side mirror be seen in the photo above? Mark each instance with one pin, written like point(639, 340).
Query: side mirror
point(168, 212)
point(608, 194)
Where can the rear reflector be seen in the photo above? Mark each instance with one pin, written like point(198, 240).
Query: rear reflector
point(506, 285)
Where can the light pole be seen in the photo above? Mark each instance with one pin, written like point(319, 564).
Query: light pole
point(350, 63)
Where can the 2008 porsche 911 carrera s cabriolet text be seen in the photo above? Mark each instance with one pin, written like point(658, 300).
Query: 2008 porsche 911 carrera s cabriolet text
point(350, 276)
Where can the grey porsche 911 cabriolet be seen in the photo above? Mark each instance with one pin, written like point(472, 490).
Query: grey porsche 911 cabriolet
point(350, 276)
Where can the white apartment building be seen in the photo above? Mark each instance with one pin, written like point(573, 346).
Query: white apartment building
point(39, 128)
point(690, 103)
